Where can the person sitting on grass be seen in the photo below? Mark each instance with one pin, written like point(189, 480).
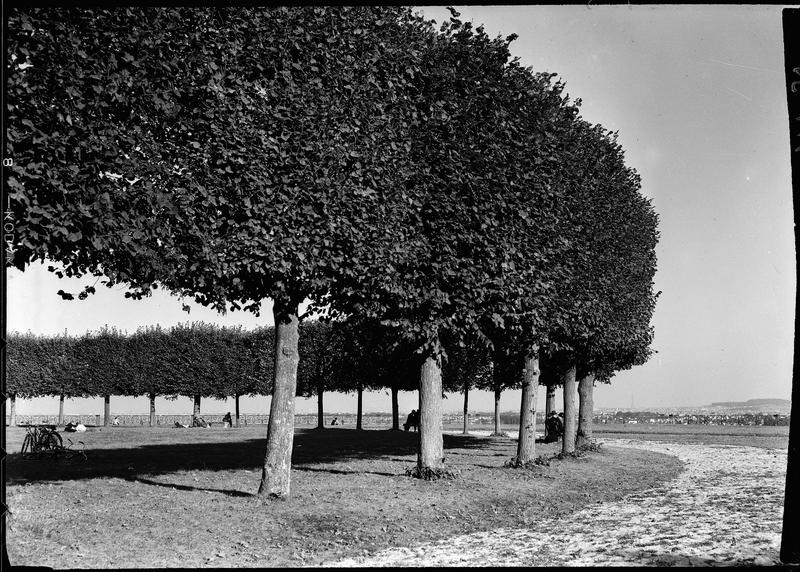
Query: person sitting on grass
point(560, 424)
point(70, 427)
point(199, 422)
point(227, 419)
point(552, 426)
point(335, 421)
point(412, 420)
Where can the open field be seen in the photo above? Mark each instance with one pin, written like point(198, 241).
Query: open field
point(184, 497)
point(747, 436)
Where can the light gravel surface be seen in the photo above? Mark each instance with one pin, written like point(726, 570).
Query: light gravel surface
point(725, 508)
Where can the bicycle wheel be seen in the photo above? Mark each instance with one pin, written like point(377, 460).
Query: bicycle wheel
point(27, 444)
point(52, 442)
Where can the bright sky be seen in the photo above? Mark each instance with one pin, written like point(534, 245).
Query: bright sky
point(697, 94)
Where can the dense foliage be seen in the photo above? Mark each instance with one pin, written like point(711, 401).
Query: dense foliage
point(188, 359)
point(447, 206)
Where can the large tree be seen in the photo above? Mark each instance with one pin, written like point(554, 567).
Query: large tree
point(154, 352)
point(455, 259)
point(468, 366)
point(607, 299)
point(230, 155)
point(321, 360)
point(35, 367)
point(108, 370)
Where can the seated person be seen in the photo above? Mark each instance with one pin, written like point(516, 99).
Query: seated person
point(116, 421)
point(551, 425)
point(412, 420)
point(227, 419)
point(335, 421)
point(70, 427)
point(560, 424)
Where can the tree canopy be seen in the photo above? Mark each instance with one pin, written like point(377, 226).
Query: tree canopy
point(439, 200)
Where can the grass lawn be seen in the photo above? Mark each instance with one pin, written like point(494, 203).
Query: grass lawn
point(752, 436)
point(749, 436)
point(167, 497)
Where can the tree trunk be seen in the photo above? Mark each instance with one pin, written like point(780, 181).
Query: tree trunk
point(12, 406)
point(549, 406)
point(196, 409)
point(276, 475)
point(431, 444)
point(497, 392)
point(526, 447)
point(107, 410)
point(320, 408)
point(570, 411)
point(360, 413)
point(236, 399)
point(585, 410)
point(153, 421)
point(61, 409)
point(466, 409)
point(395, 409)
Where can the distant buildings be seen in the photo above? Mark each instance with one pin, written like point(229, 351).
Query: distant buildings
point(754, 419)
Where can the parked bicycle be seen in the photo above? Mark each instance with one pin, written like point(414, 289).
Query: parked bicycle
point(44, 440)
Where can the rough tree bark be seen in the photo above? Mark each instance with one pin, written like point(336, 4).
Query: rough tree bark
point(196, 409)
point(276, 475)
point(466, 409)
point(497, 392)
point(107, 410)
point(12, 410)
point(320, 408)
point(359, 414)
point(236, 399)
point(570, 411)
point(526, 446)
point(585, 410)
point(431, 444)
point(549, 405)
point(153, 421)
point(395, 409)
point(61, 409)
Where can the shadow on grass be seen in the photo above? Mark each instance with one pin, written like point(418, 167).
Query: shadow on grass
point(342, 472)
point(311, 447)
point(227, 493)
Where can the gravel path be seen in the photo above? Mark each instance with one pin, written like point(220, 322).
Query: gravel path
point(725, 508)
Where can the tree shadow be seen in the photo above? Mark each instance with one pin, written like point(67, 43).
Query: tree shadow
point(311, 447)
point(226, 492)
point(343, 472)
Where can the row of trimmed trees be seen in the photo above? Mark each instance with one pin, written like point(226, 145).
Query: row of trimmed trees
point(196, 360)
point(203, 360)
point(390, 172)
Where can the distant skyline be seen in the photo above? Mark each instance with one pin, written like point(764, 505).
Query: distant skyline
point(697, 94)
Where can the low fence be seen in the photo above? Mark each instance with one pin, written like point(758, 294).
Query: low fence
point(300, 420)
point(134, 420)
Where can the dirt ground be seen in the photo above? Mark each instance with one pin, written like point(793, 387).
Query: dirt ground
point(185, 497)
point(725, 509)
